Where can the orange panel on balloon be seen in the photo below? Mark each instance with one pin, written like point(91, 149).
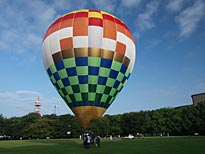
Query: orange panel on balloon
point(80, 27)
point(66, 23)
point(121, 29)
point(109, 29)
point(120, 48)
point(54, 27)
point(66, 43)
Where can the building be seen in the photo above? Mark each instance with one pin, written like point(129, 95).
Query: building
point(197, 98)
point(37, 106)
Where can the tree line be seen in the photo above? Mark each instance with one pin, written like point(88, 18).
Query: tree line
point(166, 121)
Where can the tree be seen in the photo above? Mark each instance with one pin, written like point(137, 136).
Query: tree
point(180, 121)
point(2, 127)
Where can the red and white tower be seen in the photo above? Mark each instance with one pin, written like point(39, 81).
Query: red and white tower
point(37, 106)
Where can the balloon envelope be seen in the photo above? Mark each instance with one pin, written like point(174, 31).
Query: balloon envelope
point(88, 55)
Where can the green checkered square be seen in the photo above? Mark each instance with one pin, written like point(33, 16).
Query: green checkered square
point(91, 96)
point(94, 61)
point(125, 82)
point(61, 93)
point(69, 62)
point(120, 76)
point(53, 69)
point(82, 70)
point(62, 73)
point(104, 72)
point(116, 65)
point(73, 80)
point(127, 73)
point(60, 84)
point(78, 97)
point(113, 98)
point(53, 79)
point(113, 91)
point(83, 88)
point(110, 82)
point(100, 89)
point(120, 86)
point(104, 98)
point(92, 79)
point(67, 98)
point(69, 90)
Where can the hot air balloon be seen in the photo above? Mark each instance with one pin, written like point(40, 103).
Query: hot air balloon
point(89, 56)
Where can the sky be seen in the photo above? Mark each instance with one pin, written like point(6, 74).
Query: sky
point(170, 52)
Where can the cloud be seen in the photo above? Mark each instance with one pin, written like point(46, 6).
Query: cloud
point(22, 24)
point(130, 3)
point(20, 103)
point(146, 19)
point(26, 92)
point(174, 5)
point(189, 18)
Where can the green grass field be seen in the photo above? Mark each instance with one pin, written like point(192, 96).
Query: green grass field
point(151, 145)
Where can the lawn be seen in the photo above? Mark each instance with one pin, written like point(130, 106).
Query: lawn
point(151, 145)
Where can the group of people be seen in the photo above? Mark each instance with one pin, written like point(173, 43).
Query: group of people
point(90, 140)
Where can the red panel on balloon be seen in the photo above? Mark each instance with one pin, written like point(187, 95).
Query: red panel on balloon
point(107, 17)
point(68, 16)
point(95, 22)
point(81, 14)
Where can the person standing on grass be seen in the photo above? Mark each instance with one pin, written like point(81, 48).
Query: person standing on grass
point(84, 140)
point(98, 141)
point(88, 141)
point(92, 138)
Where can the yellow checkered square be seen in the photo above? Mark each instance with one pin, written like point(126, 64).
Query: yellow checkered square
point(95, 15)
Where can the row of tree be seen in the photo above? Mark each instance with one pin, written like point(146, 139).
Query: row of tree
point(173, 121)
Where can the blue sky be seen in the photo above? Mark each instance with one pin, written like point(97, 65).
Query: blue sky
point(170, 43)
